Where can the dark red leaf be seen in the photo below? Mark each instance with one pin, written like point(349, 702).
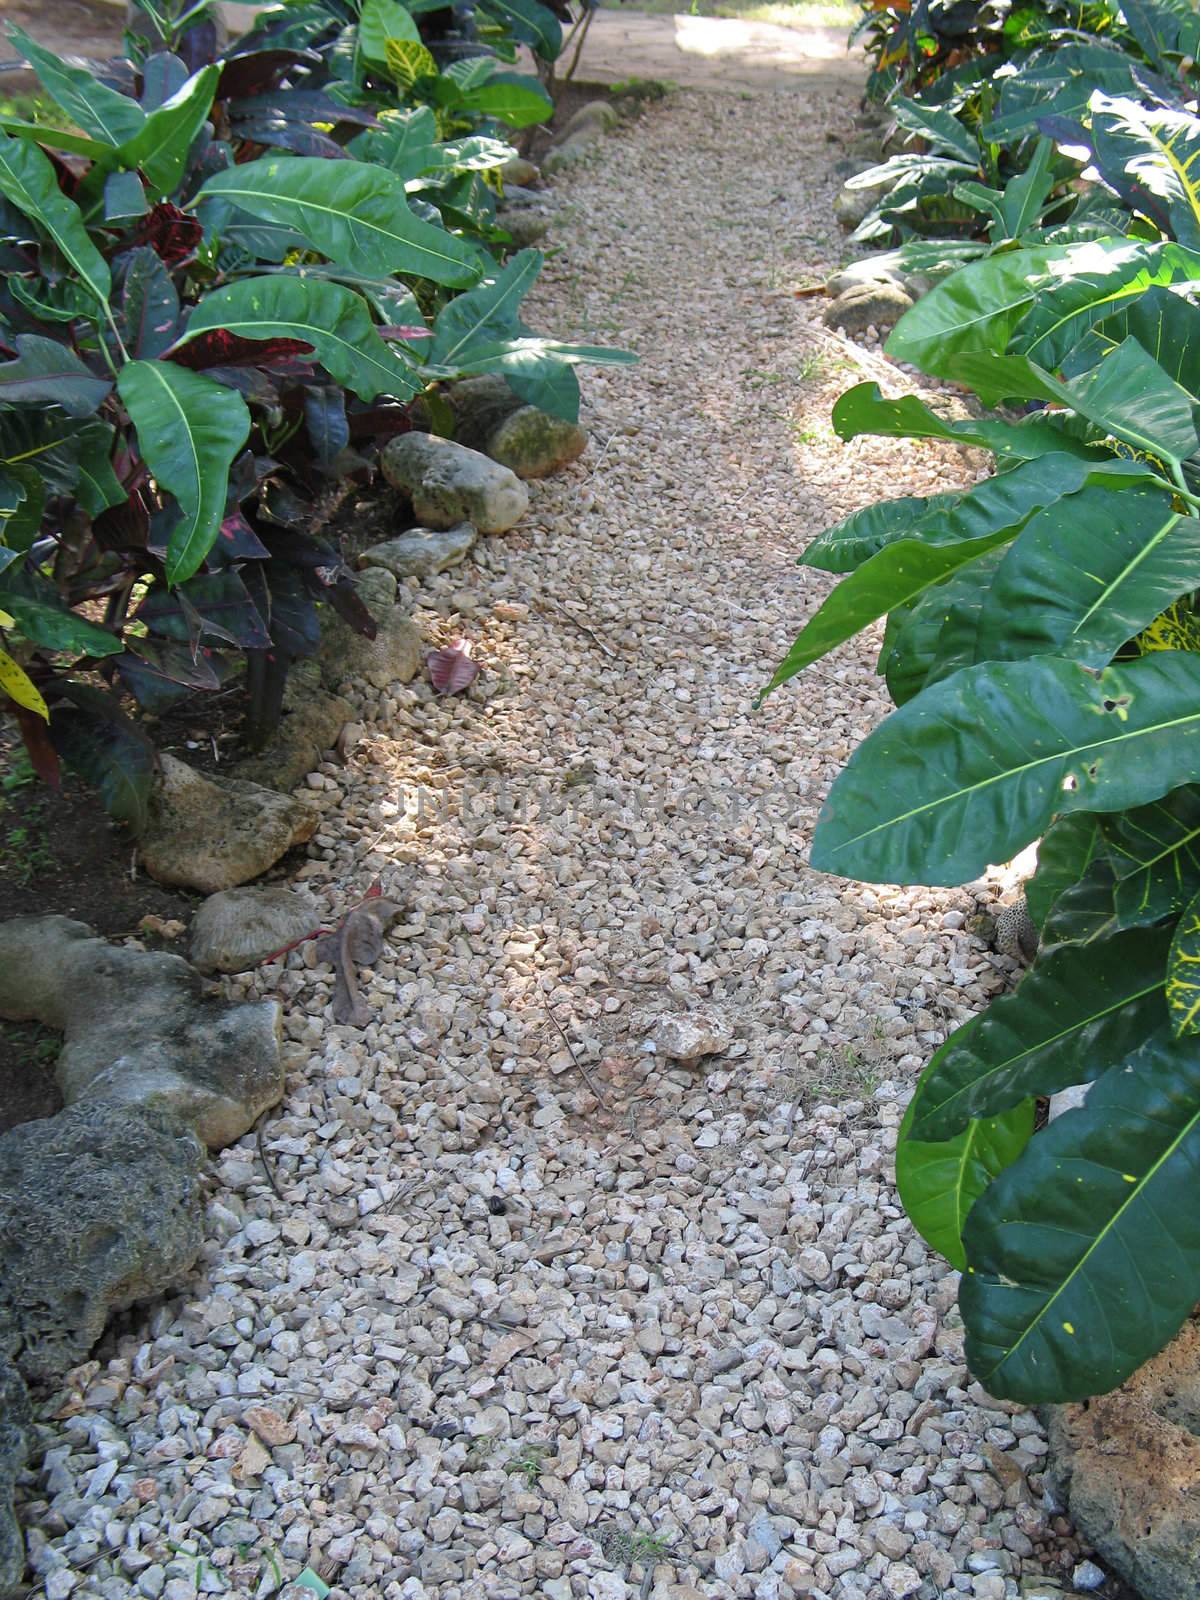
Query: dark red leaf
point(253, 71)
point(218, 348)
point(125, 526)
point(170, 232)
point(451, 670)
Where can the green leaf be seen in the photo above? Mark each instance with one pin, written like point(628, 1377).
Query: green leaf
point(935, 637)
point(328, 316)
point(58, 629)
point(355, 214)
point(1082, 1255)
point(408, 62)
point(529, 23)
point(109, 117)
point(864, 533)
point(97, 486)
point(863, 409)
point(975, 768)
point(510, 97)
point(1004, 501)
point(1018, 207)
point(1089, 283)
point(530, 351)
point(28, 179)
point(939, 128)
point(1076, 1013)
point(1130, 395)
point(124, 197)
point(895, 576)
point(379, 21)
point(939, 1183)
point(1183, 972)
point(1086, 574)
point(109, 752)
point(189, 431)
point(149, 305)
point(160, 149)
point(1085, 912)
point(57, 139)
point(49, 373)
point(976, 308)
point(1151, 156)
point(486, 313)
point(1167, 327)
point(1155, 852)
point(1065, 851)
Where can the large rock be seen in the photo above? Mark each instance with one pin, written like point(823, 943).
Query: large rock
point(532, 443)
point(139, 1030)
point(421, 552)
point(211, 833)
point(16, 1437)
point(394, 655)
point(311, 721)
point(99, 1207)
point(887, 267)
point(872, 305)
point(525, 225)
point(571, 152)
point(448, 483)
point(856, 199)
point(238, 928)
point(519, 171)
point(1127, 1465)
point(597, 117)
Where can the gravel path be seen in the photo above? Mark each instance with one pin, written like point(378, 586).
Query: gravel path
point(534, 1311)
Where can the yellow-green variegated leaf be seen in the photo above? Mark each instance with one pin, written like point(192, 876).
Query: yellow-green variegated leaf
point(1183, 972)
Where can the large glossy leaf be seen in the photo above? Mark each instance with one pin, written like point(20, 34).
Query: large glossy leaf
point(189, 431)
point(1059, 81)
point(1083, 1254)
point(939, 1183)
point(926, 642)
point(1086, 574)
point(47, 372)
point(1151, 156)
point(1183, 972)
point(1016, 208)
point(106, 115)
point(56, 628)
point(355, 214)
point(1163, 28)
point(895, 576)
point(1130, 395)
point(864, 533)
point(486, 313)
point(160, 149)
point(58, 139)
point(328, 316)
point(529, 352)
point(1090, 283)
point(1164, 323)
point(379, 21)
point(149, 305)
point(112, 755)
point(976, 308)
point(1075, 1014)
point(213, 604)
point(27, 178)
point(863, 409)
point(975, 768)
point(530, 23)
point(1004, 501)
point(940, 129)
point(510, 97)
point(1085, 913)
point(1155, 852)
point(1065, 851)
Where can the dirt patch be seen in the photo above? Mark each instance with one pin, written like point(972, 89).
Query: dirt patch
point(90, 28)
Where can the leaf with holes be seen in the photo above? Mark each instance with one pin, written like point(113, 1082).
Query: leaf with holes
point(975, 768)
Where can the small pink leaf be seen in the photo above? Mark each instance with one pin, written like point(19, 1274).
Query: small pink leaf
point(451, 669)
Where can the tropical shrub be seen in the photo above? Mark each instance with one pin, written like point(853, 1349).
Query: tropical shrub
point(1042, 647)
point(224, 289)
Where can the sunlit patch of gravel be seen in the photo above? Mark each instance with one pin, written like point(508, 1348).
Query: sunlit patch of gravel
point(525, 1309)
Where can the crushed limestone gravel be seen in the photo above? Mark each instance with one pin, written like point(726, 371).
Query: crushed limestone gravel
point(525, 1306)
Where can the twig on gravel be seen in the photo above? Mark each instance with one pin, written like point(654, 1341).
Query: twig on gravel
point(262, 1154)
point(583, 627)
point(576, 1061)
